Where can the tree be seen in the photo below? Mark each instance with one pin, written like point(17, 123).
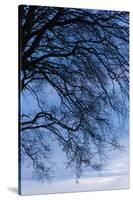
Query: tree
point(81, 56)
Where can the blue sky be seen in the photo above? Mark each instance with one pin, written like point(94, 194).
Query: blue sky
point(114, 175)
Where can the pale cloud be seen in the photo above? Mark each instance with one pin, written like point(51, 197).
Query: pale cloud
point(85, 184)
point(114, 175)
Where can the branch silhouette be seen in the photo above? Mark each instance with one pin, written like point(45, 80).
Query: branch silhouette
point(83, 56)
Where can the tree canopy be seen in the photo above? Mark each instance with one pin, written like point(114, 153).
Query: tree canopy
point(81, 57)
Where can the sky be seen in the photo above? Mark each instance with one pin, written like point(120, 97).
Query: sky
point(113, 175)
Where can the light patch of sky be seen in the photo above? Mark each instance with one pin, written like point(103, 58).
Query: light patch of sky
point(113, 175)
point(91, 184)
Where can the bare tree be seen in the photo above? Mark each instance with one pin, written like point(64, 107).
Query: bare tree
point(81, 56)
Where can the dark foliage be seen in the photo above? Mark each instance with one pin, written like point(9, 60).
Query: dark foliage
point(82, 57)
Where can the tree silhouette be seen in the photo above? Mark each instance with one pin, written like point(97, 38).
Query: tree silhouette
point(81, 57)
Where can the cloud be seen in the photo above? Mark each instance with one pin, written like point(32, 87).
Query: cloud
point(114, 175)
point(86, 184)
